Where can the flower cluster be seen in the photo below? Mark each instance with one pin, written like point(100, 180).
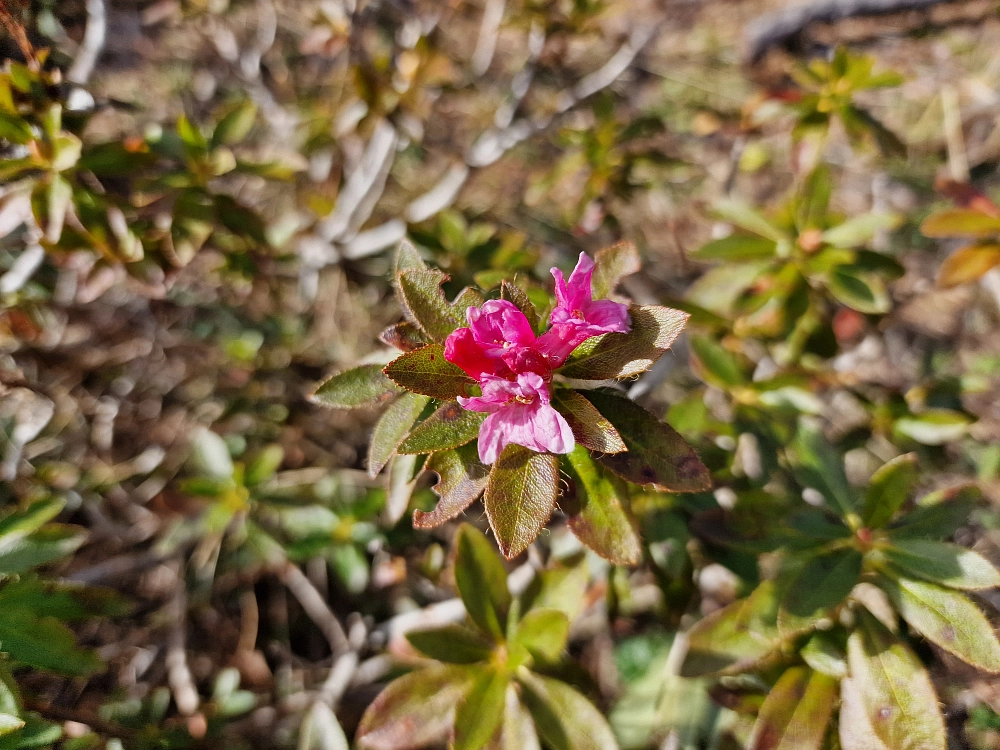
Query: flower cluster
point(514, 367)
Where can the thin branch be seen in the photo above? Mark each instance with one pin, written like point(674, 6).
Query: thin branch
point(17, 32)
point(315, 607)
point(93, 43)
point(488, 32)
point(178, 674)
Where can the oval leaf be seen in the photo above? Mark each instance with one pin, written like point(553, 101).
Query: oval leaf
point(888, 490)
point(624, 355)
point(421, 295)
point(598, 511)
point(960, 222)
point(450, 426)
point(795, 713)
point(391, 428)
point(895, 691)
point(481, 581)
point(453, 644)
point(968, 264)
point(943, 563)
point(948, 619)
point(590, 429)
point(656, 453)
point(565, 719)
point(611, 265)
point(480, 712)
point(361, 386)
point(426, 371)
point(822, 584)
point(520, 496)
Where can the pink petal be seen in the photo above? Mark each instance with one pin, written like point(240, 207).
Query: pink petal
point(536, 426)
point(560, 340)
point(605, 316)
point(461, 348)
point(491, 439)
point(496, 393)
point(579, 281)
point(498, 324)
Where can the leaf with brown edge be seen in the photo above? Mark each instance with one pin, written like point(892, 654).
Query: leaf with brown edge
point(360, 386)
point(520, 496)
point(611, 265)
point(795, 713)
point(598, 511)
point(968, 264)
point(896, 693)
point(516, 296)
point(391, 428)
point(948, 619)
point(426, 371)
point(462, 481)
point(403, 336)
point(960, 222)
point(450, 426)
point(624, 355)
point(421, 295)
point(590, 428)
point(416, 710)
point(656, 453)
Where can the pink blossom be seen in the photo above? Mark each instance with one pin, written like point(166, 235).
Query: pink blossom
point(520, 413)
point(577, 315)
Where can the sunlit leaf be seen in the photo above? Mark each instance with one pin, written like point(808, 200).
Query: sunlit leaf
point(590, 428)
point(565, 719)
point(795, 713)
point(943, 563)
point(392, 428)
point(360, 386)
point(450, 426)
point(598, 511)
point(888, 490)
point(947, 618)
point(481, 711)
point(520, 496)
point(481, 581)
point(960, 222)
point(933, 426)
point(426, 371)
point(968, 264)
point(462, 480)
point(421, 295)
point(611, 265)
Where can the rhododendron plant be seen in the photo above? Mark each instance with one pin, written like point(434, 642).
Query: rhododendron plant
point(500, 403)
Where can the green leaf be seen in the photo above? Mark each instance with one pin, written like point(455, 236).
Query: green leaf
point(857, 231)
point(236, 125)
point(392, 428)
point(406, 257)
point(943, 563)
point(735, 638)
point(520, 496)
point(543, 633)
point(403, 336)
point(9, 723)
point(934, 426)
point(426, 371)
point(960, 222)
point(938, 515)
point(481, 581)
point(795, 713)
point(264, 465)
point(822, 584)
point(415, 710)
point(518, 728)
point(717, 365)
point(816, 465)
point(565, 719)
point(656, 453)
point(855, 729)
point(968, 264)
point(590, 428)
point(611, 265)
point(421, 296)
point(19, 554)
point(598, 511)
point(946, 618)
point(481, 710)
point(743, 216)
point(20, 523)
point(516, 295)
point(896, 693)
point(824, 655)
point(624, 355)
point(462, 480)
point(735, 248)
point(888, 490)
point(44, 643)
point(450, 426)
point(862, 292)
point(454, 644)
point(361, 386)
point(190, 134)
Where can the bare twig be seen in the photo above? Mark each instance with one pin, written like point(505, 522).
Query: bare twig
point(781, 27)
point(178, 674)
point(958, 162)
point(93, 43)
point(488, 32)
point(17, 32)
point(315, 607)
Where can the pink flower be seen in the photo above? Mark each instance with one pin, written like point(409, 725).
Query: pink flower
point(520, 413)
point(499, 341)
point(577, 315)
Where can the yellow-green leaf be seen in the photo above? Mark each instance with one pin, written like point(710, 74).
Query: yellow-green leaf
point(520, 496)
point(968, 264)
point(426, 371)
point(450, 426)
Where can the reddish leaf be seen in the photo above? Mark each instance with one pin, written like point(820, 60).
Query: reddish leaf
point(426, 371)
point(590, 429)
point(520, 496)
point(462, 481)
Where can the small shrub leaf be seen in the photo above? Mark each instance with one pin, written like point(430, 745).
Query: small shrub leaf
point(391, 429)
point(426, 371)
point(520, 496)
point(462, 481)
point(361, 386)
point(590, 428)
point(481, 581)
point(450, 426)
